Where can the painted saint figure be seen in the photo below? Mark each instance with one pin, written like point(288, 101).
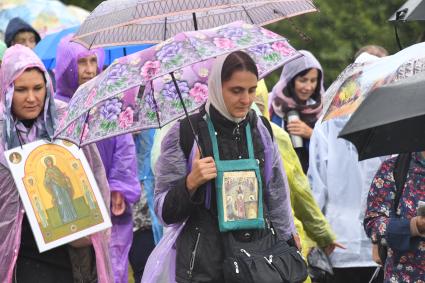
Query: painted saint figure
point(59, 186)
point(240, 205)
point(230, 210)
point(88, 196)
point(41, 212)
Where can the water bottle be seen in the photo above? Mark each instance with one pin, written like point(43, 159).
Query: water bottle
point(297, 141)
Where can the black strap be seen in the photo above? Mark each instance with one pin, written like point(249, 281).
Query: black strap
point(186, 135)
point(401, 167)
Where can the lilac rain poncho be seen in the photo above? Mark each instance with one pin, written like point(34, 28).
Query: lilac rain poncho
point(66, 72)
point(118, 155)
point(15, 61)
point(172, 165)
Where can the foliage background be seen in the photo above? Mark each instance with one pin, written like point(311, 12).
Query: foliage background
point(337, 31)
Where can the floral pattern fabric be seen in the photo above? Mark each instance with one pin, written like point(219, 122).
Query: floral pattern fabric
point(400, 266)
point(137, 91)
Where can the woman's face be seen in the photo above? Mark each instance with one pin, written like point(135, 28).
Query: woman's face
point(29, 95)
point(306, 85)
point(239, 93)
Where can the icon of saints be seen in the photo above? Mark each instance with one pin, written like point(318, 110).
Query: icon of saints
point(60, 188)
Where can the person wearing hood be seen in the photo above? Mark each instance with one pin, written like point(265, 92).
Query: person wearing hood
point(29, 114)
point(186, 182)
point(312, 226)
point(75, 66)
point(20, 32)
point(340, 183)
point(296, 101)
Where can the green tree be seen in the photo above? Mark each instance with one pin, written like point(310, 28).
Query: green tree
point(86, 4)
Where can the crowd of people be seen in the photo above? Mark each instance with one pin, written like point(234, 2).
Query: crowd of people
point(260, 172)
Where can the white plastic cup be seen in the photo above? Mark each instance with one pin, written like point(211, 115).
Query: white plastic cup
point(297, 141)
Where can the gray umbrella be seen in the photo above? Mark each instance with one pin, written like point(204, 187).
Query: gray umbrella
point(412, 10)
point(118, 22)
point(390, 120)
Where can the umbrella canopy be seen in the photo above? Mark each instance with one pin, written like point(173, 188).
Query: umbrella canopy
point(46, 49)
point(390, 120)
point(356, 82)
point(138, 91)
point(412, 10)
point(45, 16)
point(117, 22)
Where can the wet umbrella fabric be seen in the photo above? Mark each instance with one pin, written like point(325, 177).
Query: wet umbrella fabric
point(117, 22)
point(390, 120)
point(358, 80)
point(146, 89)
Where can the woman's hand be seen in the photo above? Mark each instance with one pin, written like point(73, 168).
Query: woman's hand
point(203, 170)
point(297, 241)
point(420, 223)
point(375, 254)
point(331, 247)
point(299, 128)
point(81, 243)
point(118, 203)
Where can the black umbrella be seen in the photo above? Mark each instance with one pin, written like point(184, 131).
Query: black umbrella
point(390, 120)
point(412, 10)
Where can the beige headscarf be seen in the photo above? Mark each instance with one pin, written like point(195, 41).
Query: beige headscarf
point(215, 95)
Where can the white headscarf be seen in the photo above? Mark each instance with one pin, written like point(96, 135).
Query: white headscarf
point(215, 94)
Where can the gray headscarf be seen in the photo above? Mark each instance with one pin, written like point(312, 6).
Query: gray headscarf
point(215, 94)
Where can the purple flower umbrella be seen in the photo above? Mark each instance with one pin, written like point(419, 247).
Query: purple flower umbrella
point(155, 86)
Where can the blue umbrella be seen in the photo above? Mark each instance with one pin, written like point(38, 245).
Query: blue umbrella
point(46, 48)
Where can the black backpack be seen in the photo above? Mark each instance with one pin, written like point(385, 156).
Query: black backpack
point(401, 168)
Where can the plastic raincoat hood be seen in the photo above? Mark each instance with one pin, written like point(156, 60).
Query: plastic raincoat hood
point(66, 74)
point(16, 60)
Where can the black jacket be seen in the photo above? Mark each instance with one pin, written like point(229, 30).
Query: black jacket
point(200, 252)
point(15, 26)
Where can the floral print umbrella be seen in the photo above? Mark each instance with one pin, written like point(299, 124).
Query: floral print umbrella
point(359, 79)
point(138, 91)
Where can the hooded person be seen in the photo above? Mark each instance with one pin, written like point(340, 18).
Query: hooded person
point(76, 65)
point(299, 91)
point(20, 32)
point(191, 249)
point(340, 183)
point(29, 114)
point(312, 226)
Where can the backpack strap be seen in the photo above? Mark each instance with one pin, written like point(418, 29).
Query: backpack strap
point(401, 168)
point(186, 137)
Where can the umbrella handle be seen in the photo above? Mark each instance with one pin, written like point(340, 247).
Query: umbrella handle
point(397, 38)
point(187, 114)
point(195, 22)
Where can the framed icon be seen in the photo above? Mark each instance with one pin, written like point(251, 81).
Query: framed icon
point(59, 192)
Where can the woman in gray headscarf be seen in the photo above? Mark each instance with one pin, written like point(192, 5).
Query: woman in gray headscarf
point(186, 183)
